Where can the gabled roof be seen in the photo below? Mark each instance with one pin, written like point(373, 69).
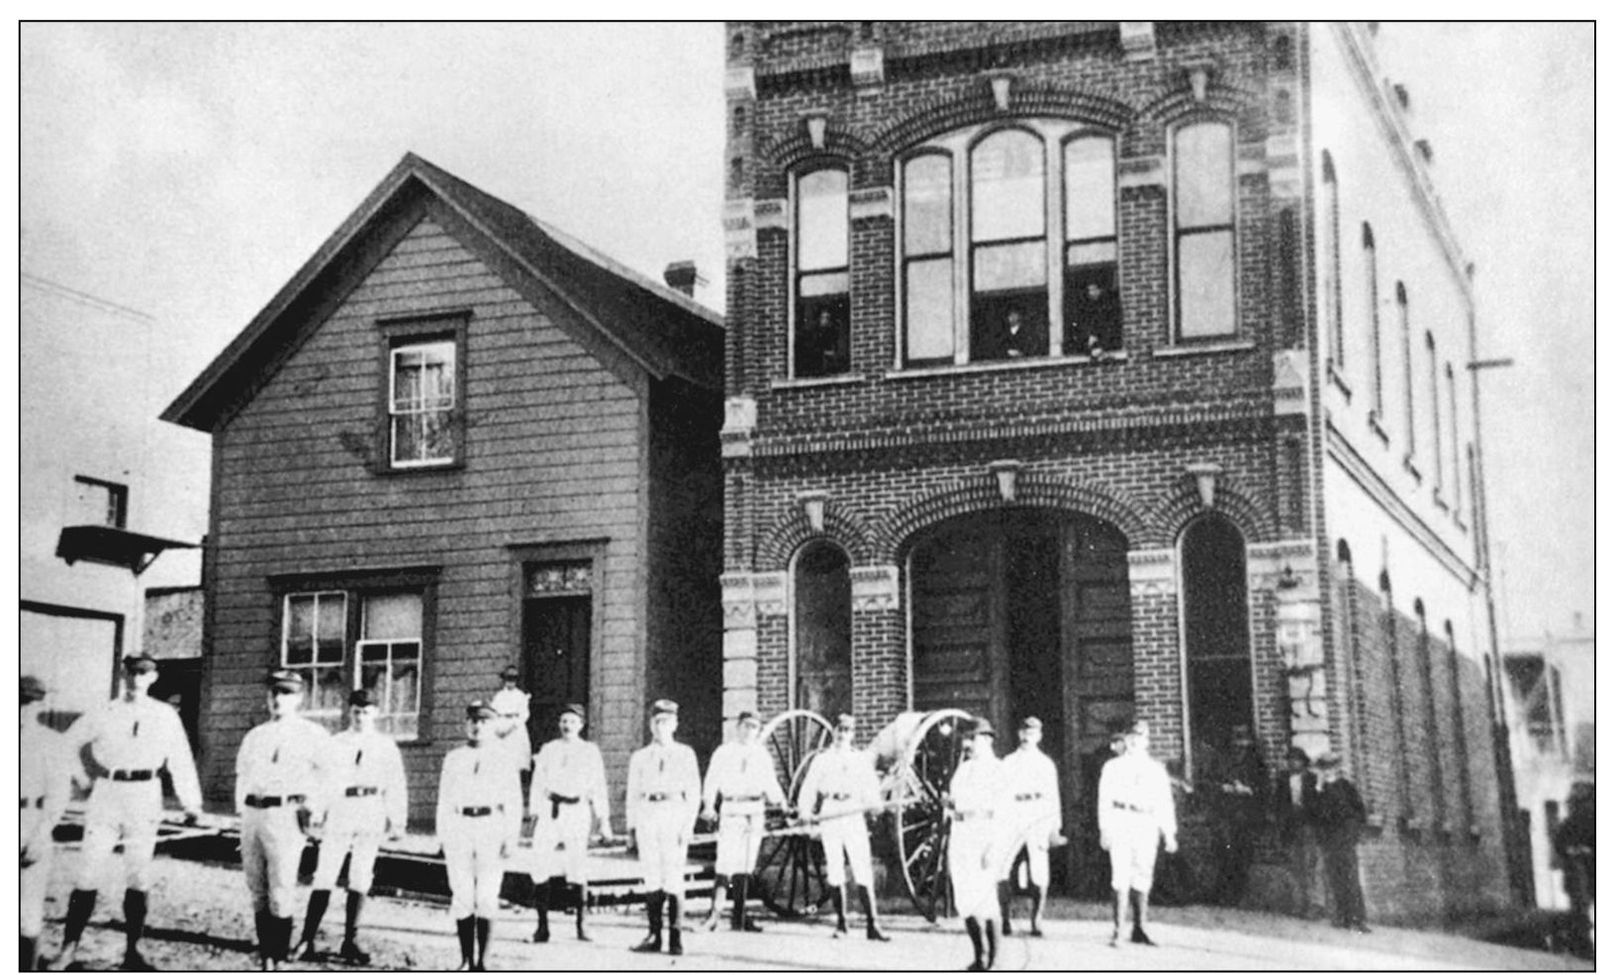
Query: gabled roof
point(663, 331)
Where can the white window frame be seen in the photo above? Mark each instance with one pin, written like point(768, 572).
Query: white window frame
point(1173, 228)
point(311, 671)
point(446, 346)
point(387, 717)
point(796, 277)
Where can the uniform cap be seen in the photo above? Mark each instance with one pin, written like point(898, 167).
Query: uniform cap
point(1140, 727)
point(1328, 760)
point(984, 727)
point(33, 689)
point(846, 722)
point(140, 663)
point(574, 709)
point(1032, 722)
point(480, 711)
point(361, 699)
point(747, 717)
point(284, 682)
point(664, 706)
point(510, 673)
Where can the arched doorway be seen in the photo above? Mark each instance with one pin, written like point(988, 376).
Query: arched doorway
point(1019, 612)
point(822, 672)
point(1220, 667)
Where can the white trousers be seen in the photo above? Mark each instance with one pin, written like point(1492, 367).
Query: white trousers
point(126, 812)
point(846, 836)
point(661, 839)
point(561, 845)
point(472, 859)
point(1034, 834)
point(272, 844)
point(1133, 847)
point(975, 866)
point(742, 827)
point(35, 878)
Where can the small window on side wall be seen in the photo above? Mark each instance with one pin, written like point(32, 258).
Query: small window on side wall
point(821, 274)
point(422, 403)
point(1205, 245)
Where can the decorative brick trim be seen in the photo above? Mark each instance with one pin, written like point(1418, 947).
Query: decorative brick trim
point(771, 214)
point(1183, 504)
point(1176, 105)
point(1288, 385)
point(866, 66)
point(978, 107)
point(770, 594)
point(737, 600)
point(874, 588)
point(1152, 572)
point(872, 203)
point(1267, 560)
point(738, 222)
point(1034, 491)
point(791, 532)
point(740, 82)
point(794, 149)
point(1136, 39)
point(1141, 171)
point(737, 436)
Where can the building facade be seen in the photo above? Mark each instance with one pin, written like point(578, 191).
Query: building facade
point(459, 439)
point(105, 491)
point(1090, 370)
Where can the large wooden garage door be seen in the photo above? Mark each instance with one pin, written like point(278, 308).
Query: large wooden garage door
point(954, 621)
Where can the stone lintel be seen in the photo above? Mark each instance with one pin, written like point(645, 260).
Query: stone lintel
point(1152, 571)
point(738, 223)
point(866, 66)
point(770, 593)
point(872, 203)
point(874, 588)
point(740, 82)
point(1141, 171)
point(771, 214)
point(1267, 560)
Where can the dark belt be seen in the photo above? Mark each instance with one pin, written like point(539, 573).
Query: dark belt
point(662, 796)
point(558, 801)
point(361, 790)
point(271, 802)
point(1029, 796)
point(1128, 807)
point(751, 797)
point(478, 812)
point(132, 774)
point(837, 796)
point(38, 802)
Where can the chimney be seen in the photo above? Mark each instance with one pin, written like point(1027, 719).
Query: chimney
point(683, 276)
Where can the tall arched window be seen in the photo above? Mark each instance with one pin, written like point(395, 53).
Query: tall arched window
point(1349, 649)
point(1205, 240)
point(1456, 462)
point(1423, 658)
point(1434, 415)
point(1404, 315)
point(930, 312)
point(1369, 261)
point(1459, 731)
point(1008, 232)
point(1397, 694)
point(1333, 300)
point(1091, 321)
point(821, 273)
point(822, 669)
point(1215, 616)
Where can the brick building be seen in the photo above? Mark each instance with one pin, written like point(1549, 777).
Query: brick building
point(459, 439)
point(1091, 369)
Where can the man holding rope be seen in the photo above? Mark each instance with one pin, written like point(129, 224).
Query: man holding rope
point(741, 781)
point(841, 786)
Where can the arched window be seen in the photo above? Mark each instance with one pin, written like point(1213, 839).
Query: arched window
point(821, 274)
point(930, 312)
point(1456, 468)
point(1369, 261)
point(1333, 297)
point(1007, 212)
point(1205, 232)
point(822, 671)
point(1397, 694)
point(1423, 659)
point(1459, 731)
point(1434, 415)
point(1348, 635)
point(1215, 608)
point(1091, 322)
point(1404, 315)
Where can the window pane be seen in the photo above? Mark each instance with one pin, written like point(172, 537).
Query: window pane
point(1204, 284)
point(1091, 313)
point(823, 224)
point(928, 205)
point(330, 628)
point(300, 628)
point(817, 285)
point(394, 616)
point(1102, 252)
point(1203, 175)
point(929, 331)
point(1009, 266)
point(1009, 175)
point(330, 692)
point(821, 336)
point(1088, 186)
point(407, 438)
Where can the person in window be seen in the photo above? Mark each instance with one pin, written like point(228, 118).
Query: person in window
point(823, 348)
point(1019, 337)
point(1093, 325)
point(1341, 815)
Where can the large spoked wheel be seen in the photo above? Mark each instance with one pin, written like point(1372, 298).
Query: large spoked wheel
point(923, 824)
point(790, 875)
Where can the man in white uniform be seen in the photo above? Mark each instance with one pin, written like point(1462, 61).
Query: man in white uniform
point(478, 821)
point(366, 801)
point(43, 777)
point(1135, 809)
point(512, 720)
point(1035, 820)
point(741, 781)
point(131, 739)
point(842, 789)
point(568, 792)
point(280, 789)
point(661, 803)
point(978, 853)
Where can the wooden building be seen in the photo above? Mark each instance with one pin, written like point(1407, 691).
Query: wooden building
point(459, 439)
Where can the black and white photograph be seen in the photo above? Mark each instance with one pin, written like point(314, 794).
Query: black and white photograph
point(806, 495)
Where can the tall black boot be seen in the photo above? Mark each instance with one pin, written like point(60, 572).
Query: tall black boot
point(581, 897)
point(873, 932)
point(1138, 917)
point(81, 904)
point(481, 936)
point(676, 903)
point(134, 927)
point(350, 952)
point(25, 954)
point(740, 921)
point(542, 911)
point(654, 942)
point(1004, 898)
point(318, 899)
point(261, 935)
point(464, 937)
point(992, 945)
point(977, 937)
point(1038, 910)
point(282, 936)
point(841, 906)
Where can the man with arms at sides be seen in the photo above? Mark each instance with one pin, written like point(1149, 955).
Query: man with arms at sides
point(741, 781)
point(661, 804)
point(1135, 809)
point(1036, 819)
point(478, 820)
point(980, 849)
point(568, 792)
point(842, 789)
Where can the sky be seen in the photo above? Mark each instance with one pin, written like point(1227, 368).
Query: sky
point(187, 171)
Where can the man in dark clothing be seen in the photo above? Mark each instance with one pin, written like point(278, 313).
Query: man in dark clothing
point(1340, 815)
point(1576, 843)
point(1293, 810)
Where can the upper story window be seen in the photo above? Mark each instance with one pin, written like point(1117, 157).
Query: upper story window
point(1332, 305)
point(1369, 260)
point(821, 274)
point(1456, 462)
point(1434, 415)
point(97, 502)
point(1205, 237)
point(422, 403)
point(1403, 311)
point(1038, 247)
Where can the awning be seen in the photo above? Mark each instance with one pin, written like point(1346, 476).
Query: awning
point(106, 545)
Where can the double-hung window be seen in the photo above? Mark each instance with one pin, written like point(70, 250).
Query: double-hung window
point(1205, 235)
point(422, 403)
point(821, 274)
point(1032, 270)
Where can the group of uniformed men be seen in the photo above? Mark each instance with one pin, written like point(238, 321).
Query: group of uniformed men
point(294, 780)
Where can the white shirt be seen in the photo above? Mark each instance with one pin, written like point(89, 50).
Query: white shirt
point(1031, 774)
point(370, 759)
point(668, 769)
point(571, 769)
point(143, 734)
point(509, 702)
point(43, 768)
point(282, 757)
point(979, 789)
point(737, 770)
point(480, 777)
point(841, 771)
point(1135, 784)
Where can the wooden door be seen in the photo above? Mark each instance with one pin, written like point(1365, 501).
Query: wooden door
point(557, 655)
point(957, 622)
